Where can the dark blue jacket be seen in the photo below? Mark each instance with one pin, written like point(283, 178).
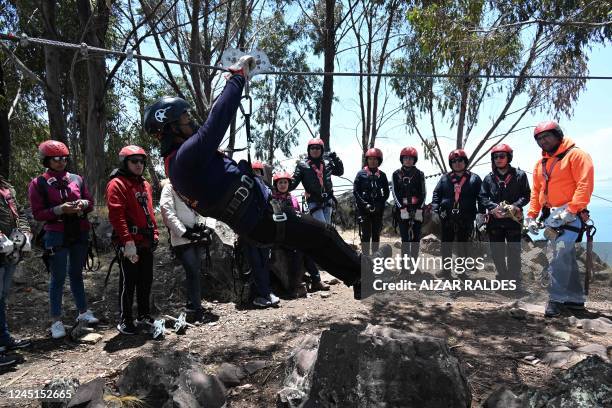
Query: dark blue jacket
point(371, 188)
point(443, 199)
point(203, 175)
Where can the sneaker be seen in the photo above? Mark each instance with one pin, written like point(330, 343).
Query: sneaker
point(127, 328)
point(88, 317)
point(262, 302)
point(318, 285)
point(243, 66)
point(58, 330)
point(274, 300)
point(13, 344)
point(7, 360)
point(146, 319)
point(553, 309)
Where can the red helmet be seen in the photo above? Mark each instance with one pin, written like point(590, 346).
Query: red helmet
point(257, 165)
point(548, 126)
point(316, 142)
point(131, 150)
point(411, 152)
point(52, 148)
point(455, 154)
point(375, 152)
point(280, 176)
point(502, 148)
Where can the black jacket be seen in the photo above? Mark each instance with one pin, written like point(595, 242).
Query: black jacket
point(513, 188)
point(371, 188)
point(444, 196)
point(408, 183)
point(304, 173)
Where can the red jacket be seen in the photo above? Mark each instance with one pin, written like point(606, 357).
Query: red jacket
point(125, 211)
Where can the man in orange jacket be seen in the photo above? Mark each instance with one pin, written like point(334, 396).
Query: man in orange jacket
point(562, 184)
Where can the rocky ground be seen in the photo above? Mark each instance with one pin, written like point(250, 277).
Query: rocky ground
point(499, 339)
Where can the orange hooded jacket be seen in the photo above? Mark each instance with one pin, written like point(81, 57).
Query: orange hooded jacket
point(571, 181)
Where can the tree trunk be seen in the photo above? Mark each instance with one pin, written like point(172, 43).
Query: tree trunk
point(328, 66)
point(5, 133)
point(53, 70)
point(96, 117)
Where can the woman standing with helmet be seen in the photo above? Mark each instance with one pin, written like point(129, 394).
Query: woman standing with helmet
point(281, 194)
point(455, 199)
point(371, 191)
point(62, 201)
point(504, 193)
point(409, 195)
point(129, 198)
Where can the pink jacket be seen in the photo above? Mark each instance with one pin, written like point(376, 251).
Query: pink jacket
point(288, 199)
point(60, 189)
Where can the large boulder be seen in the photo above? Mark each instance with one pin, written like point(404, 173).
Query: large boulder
point(375, 367)
point(585, 385)
point(174, 380)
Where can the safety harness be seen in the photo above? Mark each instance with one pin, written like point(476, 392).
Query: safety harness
point(547, 174)
point(458, 183)
point(15, 256)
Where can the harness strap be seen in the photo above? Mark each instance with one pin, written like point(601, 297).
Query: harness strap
point(279, 218)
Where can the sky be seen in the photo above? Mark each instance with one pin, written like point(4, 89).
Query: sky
point(590, 127)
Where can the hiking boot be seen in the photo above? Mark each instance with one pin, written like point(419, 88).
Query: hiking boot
point(243, 66)
point(6, 361)
point(88, 317)
point(299, 292)
point(13, 344)
point(262, 302)
point(127, 328)
point(553, 309)
point(203, 317)
point(318, 285)
point(58, 330)
point(574, 305)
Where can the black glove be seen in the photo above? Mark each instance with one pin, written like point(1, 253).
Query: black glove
point(154, 244)
point(192, 235)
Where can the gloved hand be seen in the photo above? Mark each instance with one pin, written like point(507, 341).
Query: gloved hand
point(154, 244)
point(6, 245)
point(532, 225)
point(66, 208)
point(567, 216)
point(370, 207)
point(243, 66)
point(498, 212)
point(130, 252)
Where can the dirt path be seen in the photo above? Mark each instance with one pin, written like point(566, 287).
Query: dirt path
point(490, 340)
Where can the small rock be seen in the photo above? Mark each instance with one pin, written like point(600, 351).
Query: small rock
point(518, 314)
point(529, 358)
point(252, 367)
point(289, 398)
point(231, 375)
point(333, 281)
point(91, 338)
point(560, 335)
point(325, 295)
point(502, 398)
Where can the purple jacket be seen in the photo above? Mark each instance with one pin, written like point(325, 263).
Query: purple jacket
point(60, 189)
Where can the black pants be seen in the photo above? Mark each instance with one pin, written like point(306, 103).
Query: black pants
point(319, 241)
point(137, 278)
point(506, 251)
point(456, 232)
point(371, 225)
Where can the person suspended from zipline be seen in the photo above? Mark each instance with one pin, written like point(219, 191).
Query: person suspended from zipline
point(216, 186)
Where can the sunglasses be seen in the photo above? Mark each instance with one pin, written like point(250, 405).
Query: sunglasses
point(545, 135)
point(60, 158)
point(460, 159)
point(137, 161)
point(499, 156)
point(315, 148)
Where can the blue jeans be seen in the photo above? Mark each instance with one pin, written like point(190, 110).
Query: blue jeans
point(321, 213)
point(258, 260)
point(71, 260)
point(565, 285)
point(191, 259)
point(6, 278)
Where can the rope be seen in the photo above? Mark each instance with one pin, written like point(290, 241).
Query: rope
point(85, 49)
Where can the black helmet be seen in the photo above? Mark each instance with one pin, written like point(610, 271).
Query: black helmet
point(166, 109)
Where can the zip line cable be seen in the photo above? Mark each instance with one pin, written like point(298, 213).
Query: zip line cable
point(85, 49)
